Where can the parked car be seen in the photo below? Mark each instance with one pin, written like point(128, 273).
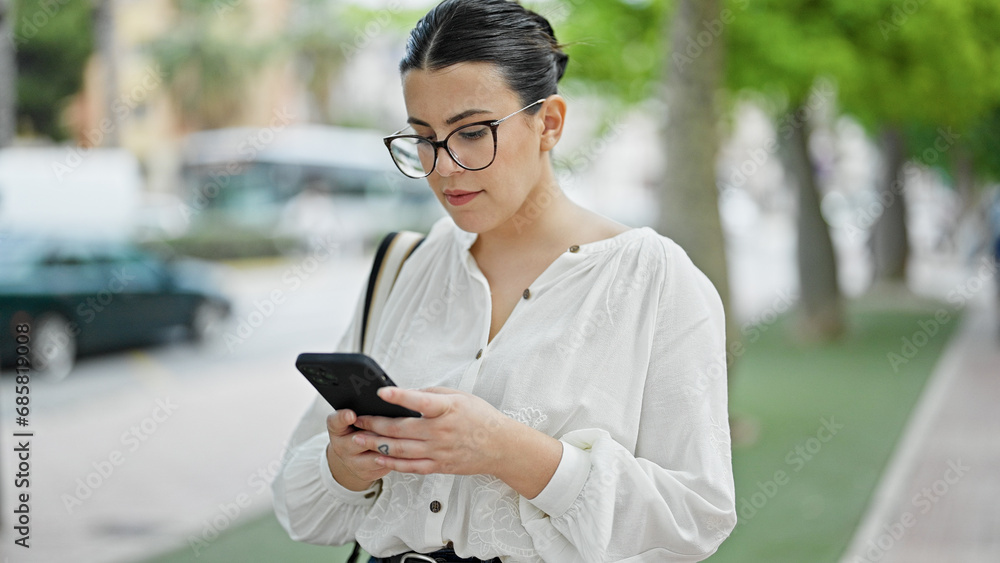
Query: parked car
point(80, 296)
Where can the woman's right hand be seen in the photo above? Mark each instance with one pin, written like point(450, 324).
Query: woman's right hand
point(352, 465)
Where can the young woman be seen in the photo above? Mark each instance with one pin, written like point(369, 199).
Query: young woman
point(570, 370)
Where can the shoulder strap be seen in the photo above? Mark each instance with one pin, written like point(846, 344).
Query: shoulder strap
point(395, 248)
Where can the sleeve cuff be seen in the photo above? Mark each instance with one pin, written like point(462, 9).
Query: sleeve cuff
point(565, 484)
point(343, 494)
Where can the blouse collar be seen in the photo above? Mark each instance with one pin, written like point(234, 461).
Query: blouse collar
point(466, 240)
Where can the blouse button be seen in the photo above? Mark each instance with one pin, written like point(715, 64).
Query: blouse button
point(479, 354)
point(435, 506)
point(574, 248)
point(526, 294)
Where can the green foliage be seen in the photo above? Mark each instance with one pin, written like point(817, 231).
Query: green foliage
point(933, 64)
point(922, 65)
point(615, 47)
point(780, 47)
point(208, 60)
point(984, 142)
point(54, 41)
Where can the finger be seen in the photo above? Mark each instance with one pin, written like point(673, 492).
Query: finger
point(339, 423)
point(429, 404)
point(418, 466)
point(365, 467)
point(441, 390)
point(403, 449)
point(362, 441)
point(391, 427)
point(351, 445)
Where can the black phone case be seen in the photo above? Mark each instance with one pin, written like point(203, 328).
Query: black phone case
point(350, 381)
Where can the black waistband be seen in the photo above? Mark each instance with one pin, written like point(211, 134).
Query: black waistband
point(442, 555)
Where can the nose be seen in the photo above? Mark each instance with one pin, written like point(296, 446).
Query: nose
point(446, 165)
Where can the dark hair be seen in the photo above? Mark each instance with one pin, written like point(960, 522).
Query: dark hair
point(520, 42)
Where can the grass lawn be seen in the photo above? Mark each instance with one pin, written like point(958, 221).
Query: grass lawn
point(261, 540)
point(826, 419)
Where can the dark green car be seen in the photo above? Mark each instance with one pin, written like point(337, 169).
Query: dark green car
point(76, 296)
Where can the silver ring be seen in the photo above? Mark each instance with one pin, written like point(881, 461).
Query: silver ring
point(417, 557)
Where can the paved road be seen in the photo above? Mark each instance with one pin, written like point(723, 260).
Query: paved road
point(134, 453)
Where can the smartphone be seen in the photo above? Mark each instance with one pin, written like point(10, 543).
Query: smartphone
point(350, 381)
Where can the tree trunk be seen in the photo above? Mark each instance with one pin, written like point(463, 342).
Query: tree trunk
point(965, 188)
point(8, 74)
point(889, 244)
point(820, 305)
point(689, 208)
point(104, 34)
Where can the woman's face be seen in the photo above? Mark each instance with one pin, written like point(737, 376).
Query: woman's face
point(440, 101)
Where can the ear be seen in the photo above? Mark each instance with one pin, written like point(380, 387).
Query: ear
point(553, 114)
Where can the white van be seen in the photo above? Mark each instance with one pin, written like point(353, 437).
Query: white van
point(68, 189)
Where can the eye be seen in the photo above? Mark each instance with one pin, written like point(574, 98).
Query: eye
point(473, 133)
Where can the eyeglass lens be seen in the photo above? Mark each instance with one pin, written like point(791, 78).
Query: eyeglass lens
point(472, 147)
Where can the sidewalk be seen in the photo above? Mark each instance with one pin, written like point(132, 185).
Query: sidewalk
point(937, 500)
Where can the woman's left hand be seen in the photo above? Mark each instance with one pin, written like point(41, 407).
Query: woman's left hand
point(459, 433)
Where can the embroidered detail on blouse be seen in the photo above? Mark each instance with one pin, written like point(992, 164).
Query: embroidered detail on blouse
point(529, 416)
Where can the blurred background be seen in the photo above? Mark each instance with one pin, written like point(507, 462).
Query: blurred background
point(191, 192)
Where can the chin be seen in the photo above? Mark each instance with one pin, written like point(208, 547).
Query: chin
point(470, 222)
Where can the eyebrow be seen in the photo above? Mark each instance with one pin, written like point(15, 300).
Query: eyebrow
point(451, 120)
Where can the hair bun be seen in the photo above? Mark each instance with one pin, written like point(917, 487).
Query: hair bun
point(544, 24)
point(561, 60)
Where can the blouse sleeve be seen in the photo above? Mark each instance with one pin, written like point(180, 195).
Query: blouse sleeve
point(674, 499)
point(308, 502)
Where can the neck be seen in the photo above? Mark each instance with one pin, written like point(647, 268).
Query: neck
point(544, 219)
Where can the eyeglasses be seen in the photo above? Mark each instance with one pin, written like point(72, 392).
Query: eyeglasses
point(469, 146)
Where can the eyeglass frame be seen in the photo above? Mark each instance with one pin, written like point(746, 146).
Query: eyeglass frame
point(492, 124)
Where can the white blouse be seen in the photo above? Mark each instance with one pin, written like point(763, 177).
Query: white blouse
point(617, 350)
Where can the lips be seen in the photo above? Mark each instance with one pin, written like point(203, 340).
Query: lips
point(460, 197)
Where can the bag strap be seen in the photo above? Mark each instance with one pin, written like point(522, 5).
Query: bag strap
point(395, 248)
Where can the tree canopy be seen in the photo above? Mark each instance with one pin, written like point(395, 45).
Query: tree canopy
point(53, 41)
